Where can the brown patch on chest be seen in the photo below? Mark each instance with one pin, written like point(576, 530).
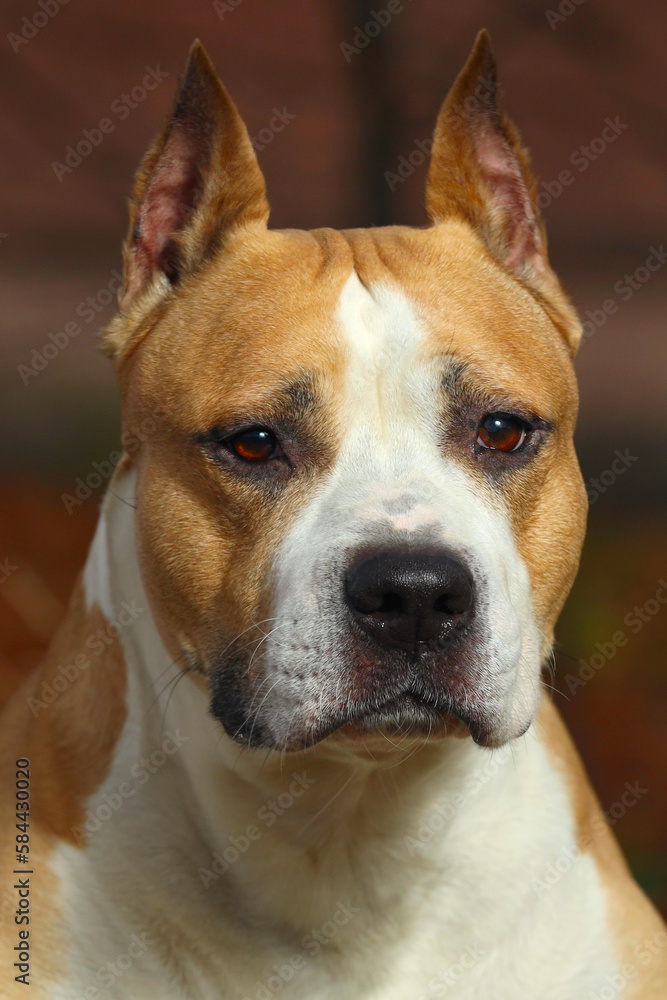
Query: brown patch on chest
point(70, 738)
point(636, 927)
point(69, 743)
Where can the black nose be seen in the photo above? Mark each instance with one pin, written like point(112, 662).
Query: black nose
point(404, 597)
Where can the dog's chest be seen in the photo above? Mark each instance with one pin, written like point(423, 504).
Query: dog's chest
point(425, 957)
point(406, 920)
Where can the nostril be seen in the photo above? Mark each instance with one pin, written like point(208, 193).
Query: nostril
point(453, 603)
point(391, 603)
point(446, 604)
point(373, 603)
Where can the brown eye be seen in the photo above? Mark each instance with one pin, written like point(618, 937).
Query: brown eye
point(501, 432)
point(257, 444)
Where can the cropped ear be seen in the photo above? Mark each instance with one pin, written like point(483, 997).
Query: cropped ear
point(199, 179)
point(480, 172)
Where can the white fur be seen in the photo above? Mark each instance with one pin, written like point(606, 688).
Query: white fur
point(424, 874)
point(391, 477)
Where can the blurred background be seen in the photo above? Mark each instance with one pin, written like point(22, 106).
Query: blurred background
point(339, 97)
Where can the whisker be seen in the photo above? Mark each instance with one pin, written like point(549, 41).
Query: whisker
point(175, 685)
point(122, 499)
point(555, 690)
point(259, 707)
point(237, 637)
point(174, 663)
point(275, 629)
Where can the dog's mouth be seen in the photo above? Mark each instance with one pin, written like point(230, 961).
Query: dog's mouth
point(411, 713)
point(402, 699)
point(412, 706)
point(408, 714)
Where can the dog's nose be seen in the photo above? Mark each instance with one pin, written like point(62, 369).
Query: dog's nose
point(404, 597)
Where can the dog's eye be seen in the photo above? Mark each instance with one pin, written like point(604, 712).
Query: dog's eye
point(501, 432)
point(257, 444)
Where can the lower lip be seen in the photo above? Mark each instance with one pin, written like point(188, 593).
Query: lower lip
point(377, 718)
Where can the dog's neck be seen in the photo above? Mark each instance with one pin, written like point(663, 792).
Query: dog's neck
point(333, 811)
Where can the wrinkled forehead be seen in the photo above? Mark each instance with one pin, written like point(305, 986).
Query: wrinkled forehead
point(299, 317)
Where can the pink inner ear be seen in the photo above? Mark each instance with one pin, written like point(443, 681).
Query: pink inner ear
point(511, 201)
point(168, 204)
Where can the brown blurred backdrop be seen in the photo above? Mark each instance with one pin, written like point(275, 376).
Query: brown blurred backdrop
point(585, 82)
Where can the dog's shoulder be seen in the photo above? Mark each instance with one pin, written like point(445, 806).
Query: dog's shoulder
point(638, 931)
point(57, 736)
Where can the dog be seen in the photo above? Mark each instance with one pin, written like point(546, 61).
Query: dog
point(291, 738)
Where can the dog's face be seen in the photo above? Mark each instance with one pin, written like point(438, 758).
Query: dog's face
point(359, 507)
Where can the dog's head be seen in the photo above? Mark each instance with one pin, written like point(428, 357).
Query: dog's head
point(359, 507)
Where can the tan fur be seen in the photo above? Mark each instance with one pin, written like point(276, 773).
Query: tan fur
point(233, 193)
point(253, 311)
point(633, 921)
point(69, 743)
point(474, 311)
point(458, 188)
